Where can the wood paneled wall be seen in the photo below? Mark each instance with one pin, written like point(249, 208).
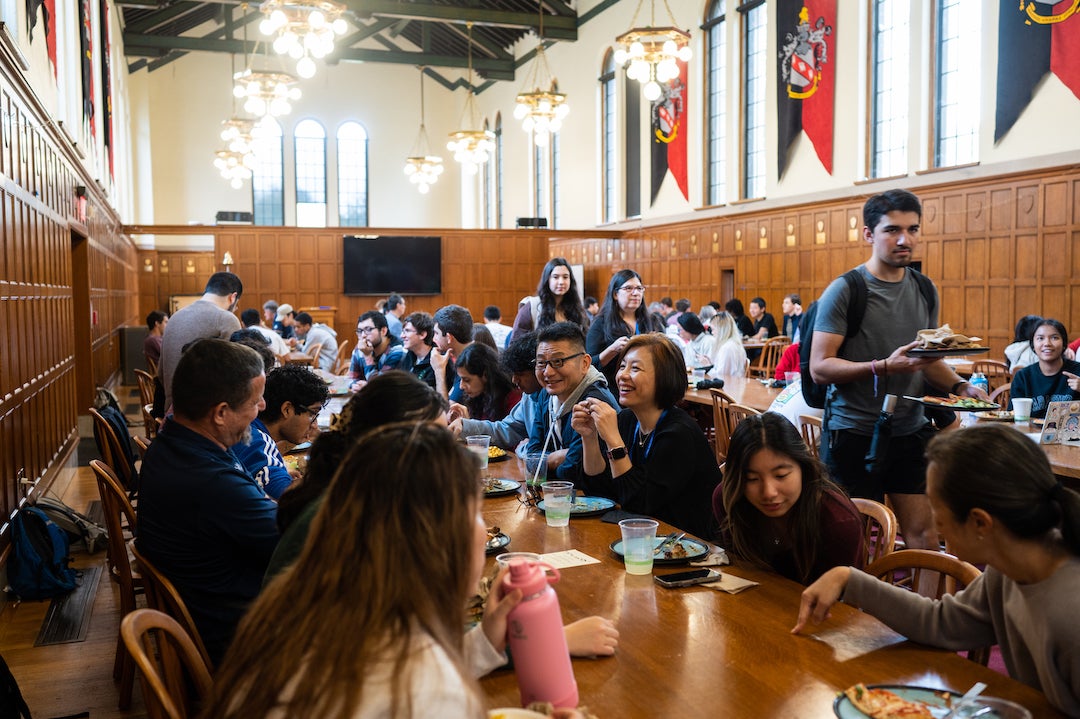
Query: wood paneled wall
point(56, 271)
point(997, 249)
point(304, 268)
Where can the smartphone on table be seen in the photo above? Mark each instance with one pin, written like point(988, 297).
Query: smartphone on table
point(689, 578)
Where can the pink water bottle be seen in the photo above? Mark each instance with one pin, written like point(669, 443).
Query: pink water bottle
point(537, 639)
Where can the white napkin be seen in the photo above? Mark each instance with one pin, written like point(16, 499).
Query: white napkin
point(731, 584)
point(716, 557)
point(568, 558)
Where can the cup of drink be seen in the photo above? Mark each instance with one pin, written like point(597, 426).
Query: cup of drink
point(535, 468)
point(791, 377)
point(638, 544)
point(1021, 409)
point(558, 496)
point(503, 560)
point(698, 374)
point(478, 444)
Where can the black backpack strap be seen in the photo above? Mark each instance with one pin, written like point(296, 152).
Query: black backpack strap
point(856, 302)
point(926, 287)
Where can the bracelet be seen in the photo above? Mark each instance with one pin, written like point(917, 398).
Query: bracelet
point(885, 366)
point(958, 385)
point(873, 371)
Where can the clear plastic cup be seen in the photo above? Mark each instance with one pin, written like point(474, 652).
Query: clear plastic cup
point(1021, 409)
point(558, 497)
point(638, 543)
point(478, 444)
point(1000, 709)
point(535, 468)
point(504, 559)
point(791, 377)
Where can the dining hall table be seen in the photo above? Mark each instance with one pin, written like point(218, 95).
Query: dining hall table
point(698, 651)
point(748, 391)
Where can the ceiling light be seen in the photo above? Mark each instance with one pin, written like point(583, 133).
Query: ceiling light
point(541, 109)
point(471, 147)
point(305, 30)
point(653, 53)
point(421, 167)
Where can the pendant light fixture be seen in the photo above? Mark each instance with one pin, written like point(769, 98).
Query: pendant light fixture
point(653, 53)
point(471, 147)
point(541, 109)
point(421, 167)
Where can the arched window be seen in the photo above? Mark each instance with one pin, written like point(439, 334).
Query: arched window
point(268, 175)
point(498, 169)
point(890, 39)
point(608, 120)
point(310, 148)
point(958, 36)
point(716, 103)
point(352, 175)
point(755, 66)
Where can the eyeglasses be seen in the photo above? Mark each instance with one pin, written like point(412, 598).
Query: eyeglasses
point(302, 410)
point(555, 363)
point(361, 331)
point(632, 289)
point(531, 496)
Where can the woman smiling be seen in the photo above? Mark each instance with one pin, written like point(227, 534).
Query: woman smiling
point(777, 507)
point(1054, 378)
point(623, 315)
point(655, 459)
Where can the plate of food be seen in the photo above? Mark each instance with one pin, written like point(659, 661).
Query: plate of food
point(943, 342)
point(893, 701)
point(996, 415)
point(933, 353)
point(687, 549)
point(496, 540)
point(499, 486)
point(497, 454)
point(964, 404)
point(585, 506)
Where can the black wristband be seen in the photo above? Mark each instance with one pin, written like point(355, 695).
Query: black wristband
point(617, 453)
point(957, 386)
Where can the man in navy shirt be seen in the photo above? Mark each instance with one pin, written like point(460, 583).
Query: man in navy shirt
point(203, 520)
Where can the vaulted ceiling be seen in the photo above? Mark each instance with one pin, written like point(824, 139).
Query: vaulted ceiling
point(432, 33)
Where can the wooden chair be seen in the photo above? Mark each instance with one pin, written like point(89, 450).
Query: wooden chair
point(162, 595)
point(152, 367)
point(112, 453)
point(118, 511)
point(738, 412)
point(1001, 395)
point(879, 528)
point(721, 402)
point(810, 424)
point(343, 359)
point(765, 366)
point(953, 573)
point(146, 386)
point(997, 373)
point(143, 444)
point(169, 669)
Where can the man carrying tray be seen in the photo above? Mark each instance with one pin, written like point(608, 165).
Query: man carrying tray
point(875, 361)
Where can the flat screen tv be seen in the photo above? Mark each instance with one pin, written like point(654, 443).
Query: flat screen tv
point(376, 265)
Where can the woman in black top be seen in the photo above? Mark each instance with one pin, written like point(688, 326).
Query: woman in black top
point(623, 315)
point(734, 308)
point(556, 300)
point(652, 457)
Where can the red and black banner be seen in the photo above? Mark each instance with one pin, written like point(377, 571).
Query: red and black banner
point(1033, 39)
point(106, 86)
point(668, 134)
point(86, 49)
point(806, 86)
point(48, 22)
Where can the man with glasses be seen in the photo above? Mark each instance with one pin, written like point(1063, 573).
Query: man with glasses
point(294, 395)
point(564, 369)
point(377, 351)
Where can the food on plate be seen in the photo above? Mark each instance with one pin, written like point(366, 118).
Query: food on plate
point(493, 536)
point(674, 550)
point(496, 452)
point(1001, 415)
point(956, 402)
point(883, 704)
point(944, 338)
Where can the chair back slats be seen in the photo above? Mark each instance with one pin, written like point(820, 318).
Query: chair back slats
point(765, 366)
point(879, 528)
point(721, 402)
point(997, 373)
point(810, 425)
point(174, 677)
point(162, 595)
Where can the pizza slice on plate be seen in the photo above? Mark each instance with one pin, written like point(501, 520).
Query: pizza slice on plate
point(883, 704)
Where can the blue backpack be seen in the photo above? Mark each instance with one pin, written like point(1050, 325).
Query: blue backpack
point(38, 567)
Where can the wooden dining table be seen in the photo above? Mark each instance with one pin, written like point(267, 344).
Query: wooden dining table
point(747, 391)
point(698, 651)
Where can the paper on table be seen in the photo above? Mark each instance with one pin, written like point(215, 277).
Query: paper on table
point(731, 584)
point(568, 558)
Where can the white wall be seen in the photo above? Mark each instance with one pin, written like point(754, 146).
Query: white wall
point(188, 99)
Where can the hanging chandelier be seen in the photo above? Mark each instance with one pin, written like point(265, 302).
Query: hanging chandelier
point(471, 148)
point(238, 134)
point(305, 29)
point(266, 93)
point(541, 109)
point(653, 52)
point(421, 167)
point(234, 166)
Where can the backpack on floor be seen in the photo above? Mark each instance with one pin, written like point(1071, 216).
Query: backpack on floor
point(38, 567)
point(78, 526)
point(816, 394)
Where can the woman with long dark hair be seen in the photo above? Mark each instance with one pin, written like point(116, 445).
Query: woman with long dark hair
point(1019, 353)
point(489, 391)
point(1053, 378)
point(360, 626)
point(655, 459)
point(623, 315)
point(778, 508)
point(997, 503)
point(556, 300)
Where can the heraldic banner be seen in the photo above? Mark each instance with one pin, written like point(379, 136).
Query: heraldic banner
point(668, 130)
point(47, 9)
point(1034, 38)
point(806, 86)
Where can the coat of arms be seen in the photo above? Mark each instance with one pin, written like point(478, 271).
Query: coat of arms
point(803, 54)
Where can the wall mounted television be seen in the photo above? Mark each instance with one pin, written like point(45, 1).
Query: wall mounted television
point(379, 265)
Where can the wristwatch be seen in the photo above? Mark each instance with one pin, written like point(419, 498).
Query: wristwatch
point(616, 453)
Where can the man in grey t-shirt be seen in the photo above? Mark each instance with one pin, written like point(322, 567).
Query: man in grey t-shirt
point(875, 362)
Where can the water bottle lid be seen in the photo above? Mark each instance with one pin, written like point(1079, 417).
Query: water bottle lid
point(530, 577)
